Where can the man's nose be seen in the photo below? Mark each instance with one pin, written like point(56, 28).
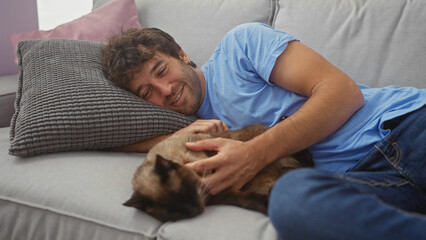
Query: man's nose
point(164, 89)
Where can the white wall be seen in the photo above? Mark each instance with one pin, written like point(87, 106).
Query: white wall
point(16, 16)
point(52, 13)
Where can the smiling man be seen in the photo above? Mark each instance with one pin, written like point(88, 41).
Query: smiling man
point(170, 83)
point(154, 67)
point(258, 75)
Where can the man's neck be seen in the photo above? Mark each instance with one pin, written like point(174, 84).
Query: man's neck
point(202, 83)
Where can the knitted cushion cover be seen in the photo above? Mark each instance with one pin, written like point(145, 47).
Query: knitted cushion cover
point(64, 103)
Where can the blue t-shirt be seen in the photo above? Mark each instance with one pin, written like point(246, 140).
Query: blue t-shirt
point(239, 93)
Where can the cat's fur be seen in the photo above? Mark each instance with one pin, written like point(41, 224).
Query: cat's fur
point(167, 190)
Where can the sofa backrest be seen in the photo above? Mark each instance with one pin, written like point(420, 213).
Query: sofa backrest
point(376, 42)
point(199, 25)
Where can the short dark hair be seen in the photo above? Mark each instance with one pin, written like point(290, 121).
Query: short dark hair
point(124, 54)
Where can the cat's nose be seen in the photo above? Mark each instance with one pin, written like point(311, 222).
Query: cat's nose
point(200, 210)
point(195, 210)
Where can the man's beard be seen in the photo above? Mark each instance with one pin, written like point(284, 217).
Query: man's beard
point(194, 92)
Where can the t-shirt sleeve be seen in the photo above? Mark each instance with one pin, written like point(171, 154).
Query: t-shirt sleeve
point(255, 47)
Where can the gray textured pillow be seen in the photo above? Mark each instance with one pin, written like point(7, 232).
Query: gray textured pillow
point(64, 103)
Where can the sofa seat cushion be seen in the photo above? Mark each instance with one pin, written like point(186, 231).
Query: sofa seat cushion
point(75, 195)
point(79, 195)
point(377, 43)
point(221, 223)
point(7, 98)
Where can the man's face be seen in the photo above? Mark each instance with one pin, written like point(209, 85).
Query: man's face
point(169, 83)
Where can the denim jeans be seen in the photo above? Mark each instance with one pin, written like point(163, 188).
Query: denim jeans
point(382, 197)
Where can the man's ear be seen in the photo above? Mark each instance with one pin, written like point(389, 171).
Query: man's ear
point(184, 57)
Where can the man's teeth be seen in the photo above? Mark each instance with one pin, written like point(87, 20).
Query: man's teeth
point(177, 97)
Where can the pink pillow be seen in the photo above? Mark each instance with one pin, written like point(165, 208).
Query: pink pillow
point(98, 25)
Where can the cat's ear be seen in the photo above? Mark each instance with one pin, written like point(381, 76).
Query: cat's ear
point(136, 201)
point(163, 167)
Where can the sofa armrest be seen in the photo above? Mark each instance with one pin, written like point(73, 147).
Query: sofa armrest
point(7, 98)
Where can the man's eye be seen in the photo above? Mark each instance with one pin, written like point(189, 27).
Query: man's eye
point(162, 70)
point(145, 94)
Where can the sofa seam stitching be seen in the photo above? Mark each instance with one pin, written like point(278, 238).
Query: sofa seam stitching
point(68, 214)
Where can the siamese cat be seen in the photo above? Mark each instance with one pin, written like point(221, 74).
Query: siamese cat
point(167, 190)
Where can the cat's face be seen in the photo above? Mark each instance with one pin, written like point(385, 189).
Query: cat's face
point(167, 191)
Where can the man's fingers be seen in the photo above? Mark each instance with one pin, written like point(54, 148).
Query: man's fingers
point(204, 126)
point(218, 182)
point(223, 126)
point(211, 185)
point(215, 126)
point(203, 167)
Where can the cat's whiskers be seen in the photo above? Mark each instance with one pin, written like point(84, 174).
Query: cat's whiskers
point(204, 187)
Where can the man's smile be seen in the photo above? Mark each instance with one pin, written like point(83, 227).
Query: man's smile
point(177, 97)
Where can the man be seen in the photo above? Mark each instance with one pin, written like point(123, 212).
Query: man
point(260, 75)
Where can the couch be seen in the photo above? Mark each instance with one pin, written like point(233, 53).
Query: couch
point(78, 194)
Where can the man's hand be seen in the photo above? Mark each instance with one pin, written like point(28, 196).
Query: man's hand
point(234, 165)
point(199, 126)
point(204, 126)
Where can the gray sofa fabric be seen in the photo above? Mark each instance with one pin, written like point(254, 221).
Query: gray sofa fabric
point(78, 195)
point(377, 43)
point(199, 25)
point(7, 98)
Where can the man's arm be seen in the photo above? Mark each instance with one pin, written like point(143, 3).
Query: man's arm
point(199, 126)
point(142, 146)
point(333, 97)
